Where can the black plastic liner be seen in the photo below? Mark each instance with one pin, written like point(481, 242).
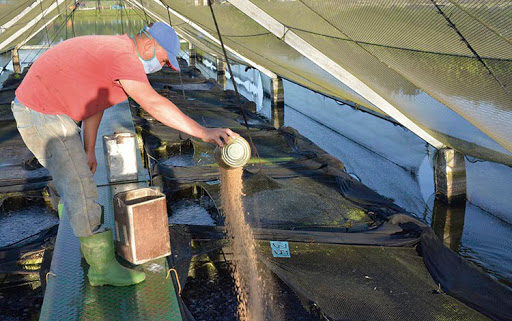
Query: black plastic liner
point(463, 280)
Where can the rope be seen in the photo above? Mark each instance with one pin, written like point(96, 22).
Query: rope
point(130, 27)
point(71, 15)
point(145, 13)
point(4, 67)
point(466, 42)
point(162, 71)
point(42, 18)
point(136, 9)
point(177, 278)
point(234, 83)
point(182, 87)
point(66, 24)
point(34, 27)
point(168, 13)
point(48, 274)
point(73, 23)
point(22, 5)
point(122, 23)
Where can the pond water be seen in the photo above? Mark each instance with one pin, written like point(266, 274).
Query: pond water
point(18, 224)
point(187, 211)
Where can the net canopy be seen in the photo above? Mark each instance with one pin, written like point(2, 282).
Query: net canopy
point(444, 65)
point(441, 68)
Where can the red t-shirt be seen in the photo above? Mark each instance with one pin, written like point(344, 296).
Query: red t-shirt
point(78, 76)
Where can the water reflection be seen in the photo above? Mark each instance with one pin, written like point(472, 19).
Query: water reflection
point(476, 235)
point(448, 223)
point(105, 22)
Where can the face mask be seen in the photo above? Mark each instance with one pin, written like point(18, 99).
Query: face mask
point(151, 65)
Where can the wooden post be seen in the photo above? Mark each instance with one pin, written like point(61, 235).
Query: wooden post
point(192, 55)
point(448, 223)
point(450, 176)
point(277, 103)
point(16, 61)
point(221, 72)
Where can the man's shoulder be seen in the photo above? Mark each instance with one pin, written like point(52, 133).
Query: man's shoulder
point(108, 42)
point(104, 48)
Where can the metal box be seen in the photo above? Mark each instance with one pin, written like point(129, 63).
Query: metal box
point(141, 223)
point(121, 157)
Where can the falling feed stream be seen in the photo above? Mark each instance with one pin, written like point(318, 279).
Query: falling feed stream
point(239, 233)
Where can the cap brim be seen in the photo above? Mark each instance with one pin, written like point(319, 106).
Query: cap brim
point(173, 62)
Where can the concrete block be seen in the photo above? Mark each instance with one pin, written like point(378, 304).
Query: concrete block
point(450, 176)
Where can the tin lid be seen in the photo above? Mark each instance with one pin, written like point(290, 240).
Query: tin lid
point(236, 153)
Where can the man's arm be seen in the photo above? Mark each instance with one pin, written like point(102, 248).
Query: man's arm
point(90, 129)
point(168, 114)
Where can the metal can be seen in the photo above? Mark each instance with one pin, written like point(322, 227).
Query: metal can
point(236, 153)
point(121, 157)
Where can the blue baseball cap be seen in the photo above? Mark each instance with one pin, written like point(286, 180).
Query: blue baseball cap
point(168, 39)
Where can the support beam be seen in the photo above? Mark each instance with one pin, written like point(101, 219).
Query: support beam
point(11, 22)
point(330, 66)
point(450, 176)
point(221, 72)
point(16, 61)
point(277, 103)
point(33, 47)
point(192, 55)
point(29, 24)
point(216, 41)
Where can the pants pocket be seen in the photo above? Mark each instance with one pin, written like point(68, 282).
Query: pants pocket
point(22, 116)
point(61, 126)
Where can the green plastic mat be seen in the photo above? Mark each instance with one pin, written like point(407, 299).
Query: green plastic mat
point(68, 294)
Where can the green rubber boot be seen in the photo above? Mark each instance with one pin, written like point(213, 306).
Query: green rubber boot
point(104, 269)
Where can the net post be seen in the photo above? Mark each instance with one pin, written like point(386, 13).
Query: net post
point(192, 54)
point(277, 103)
point(16, 61)
point(221, 72)
point(450, 176)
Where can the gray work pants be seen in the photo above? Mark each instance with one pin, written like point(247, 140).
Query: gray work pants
point(55, 142)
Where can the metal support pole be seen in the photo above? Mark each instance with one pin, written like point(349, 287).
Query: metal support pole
point(221, 72)
point(16, 61)
point(448, 223)
point(277, 103)
point(192, 55)
point(450, 176)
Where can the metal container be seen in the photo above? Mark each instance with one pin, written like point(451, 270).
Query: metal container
point(141, 223)
point(121, 157)
point(236, 153)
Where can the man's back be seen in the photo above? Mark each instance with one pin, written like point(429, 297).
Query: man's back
point(78, 77)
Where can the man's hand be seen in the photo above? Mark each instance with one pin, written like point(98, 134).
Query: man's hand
point(91, 161)
point(217, 135)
